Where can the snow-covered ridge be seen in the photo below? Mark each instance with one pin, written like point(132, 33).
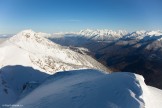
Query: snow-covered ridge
point(119, 33)
point(109, 35)
point(142, 34)
point(99, 34)
point(28, 48)
point(32, 41)
point(104, 32)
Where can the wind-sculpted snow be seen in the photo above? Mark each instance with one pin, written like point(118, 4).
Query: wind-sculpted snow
point(15, 81)
point(92, 89)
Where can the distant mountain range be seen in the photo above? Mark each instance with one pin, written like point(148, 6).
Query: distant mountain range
point(107, 35)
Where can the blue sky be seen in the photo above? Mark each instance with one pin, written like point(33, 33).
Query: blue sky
point(73, 15)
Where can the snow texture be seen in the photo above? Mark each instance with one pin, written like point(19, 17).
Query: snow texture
point(93, 89)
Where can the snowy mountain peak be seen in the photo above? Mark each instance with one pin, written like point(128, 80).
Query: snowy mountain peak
point(148, 35)
point(31, 41)
point(109, 35)
point(103, 34)
point(29, 35)
point(155, 33)
point(26, 35)
point(106, 32)
point(31, 49)
point(139, 32)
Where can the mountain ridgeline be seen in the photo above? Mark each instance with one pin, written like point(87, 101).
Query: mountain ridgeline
point(32, 49)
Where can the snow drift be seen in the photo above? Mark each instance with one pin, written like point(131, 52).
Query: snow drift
point(93, 89)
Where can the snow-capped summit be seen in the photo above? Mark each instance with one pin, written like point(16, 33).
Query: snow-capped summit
point(31, 49)
point(28, 35)
point(109, 35)
point(32, 41)
point(103, 34)
point(138, 33)
point(155, 33)
point(90, 34)
point(148, 35)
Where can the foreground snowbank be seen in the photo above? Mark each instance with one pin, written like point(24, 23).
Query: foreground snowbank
point(93, 89)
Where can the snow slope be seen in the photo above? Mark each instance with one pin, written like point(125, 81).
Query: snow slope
point(14, 81)
point(151, 95)
point(93, 89)
point(28, 48)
